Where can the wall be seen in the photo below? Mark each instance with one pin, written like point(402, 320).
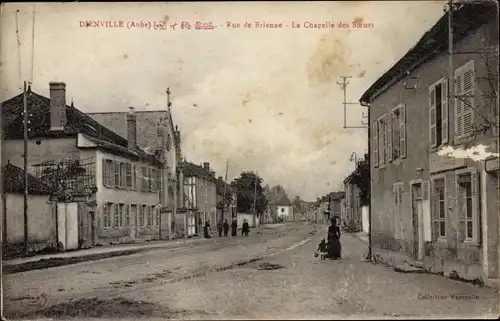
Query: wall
point(49, 149)
point(284, 211)
point(41, 221)
point(126, 196)
point(249, 217)
point(405, 170)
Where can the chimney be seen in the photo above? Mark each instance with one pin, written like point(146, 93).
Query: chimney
point(57, 105)
point(212, 173)
point(131, 129)
point(206, 166)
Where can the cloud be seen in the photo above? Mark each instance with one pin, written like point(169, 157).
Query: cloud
point(264, 99)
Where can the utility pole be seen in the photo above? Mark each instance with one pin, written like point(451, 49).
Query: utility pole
point(25, 122)
point(255, 200)
point(343, 85)
point(225, 188)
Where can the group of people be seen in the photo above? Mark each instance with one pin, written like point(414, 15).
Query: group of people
point(331, 246)
point(223, 226)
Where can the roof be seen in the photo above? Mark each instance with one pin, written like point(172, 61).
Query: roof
point(219, 183)
point(282, 200)
point(77, 122)
point(466, 18)
point(13, 182)
point(191, 170)
point(147, 125)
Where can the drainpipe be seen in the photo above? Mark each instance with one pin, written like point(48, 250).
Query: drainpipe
point(370, 249)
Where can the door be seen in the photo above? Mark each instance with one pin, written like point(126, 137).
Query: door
point(93, 232)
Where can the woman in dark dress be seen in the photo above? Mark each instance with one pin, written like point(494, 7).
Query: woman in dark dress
point(206, 230)
point(334, 247)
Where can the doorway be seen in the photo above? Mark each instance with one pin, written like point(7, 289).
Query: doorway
point(417, 244)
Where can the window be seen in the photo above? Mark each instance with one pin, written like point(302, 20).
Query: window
point(106, 217)
point(382, 134)
point(157, 216)
point(128, 175)
point(108, 173)
point(117, 174)
point(159, 180)
point(127, 215)
point(141, 215)
point(438, 113)
point(133, 214)
point(123, 173)
point(438, 210)
point(134, 178)
point(117, 216)
point(468, 205)
point(144, 179)
point(282, 210)
point(150, 179)
point(395, 133)
point(148, 214)
point(154, 177)
point(464, 100)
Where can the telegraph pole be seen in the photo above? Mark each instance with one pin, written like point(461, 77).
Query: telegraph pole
point(343, 85)
point(255, 200)
point(25, 122)
point(225, 188)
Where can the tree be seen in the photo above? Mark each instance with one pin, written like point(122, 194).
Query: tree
point(228, 201)
point(361, 178)
point(245, 191)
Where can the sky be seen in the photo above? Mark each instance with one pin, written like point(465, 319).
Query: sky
point(262, 99)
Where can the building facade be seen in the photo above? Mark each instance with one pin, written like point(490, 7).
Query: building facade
point(439, 209)
point(200, 194)
point(157, 134)
point(115, 184)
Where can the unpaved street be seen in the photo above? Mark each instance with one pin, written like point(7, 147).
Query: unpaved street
point(270, 275)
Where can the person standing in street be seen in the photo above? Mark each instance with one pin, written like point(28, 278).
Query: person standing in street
point(234, 228)
point(206, 230)
point(245, 228)
point(219, 227)
point(226, 227)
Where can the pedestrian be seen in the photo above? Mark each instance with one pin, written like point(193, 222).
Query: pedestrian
point(234, 227)
point(219, 227)
point(245, 228)
point(226, 227)
point(334, 246)
point(206, 230)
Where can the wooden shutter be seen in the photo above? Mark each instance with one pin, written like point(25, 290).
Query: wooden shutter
point(154, 177)
point(434, 199)
point(444, 111)
point(459, 109)
point(402, 131)
point(432, 116)
point(104, 173)
point(475, 205)
point(389, 136)
point(460, 210)
point(375, 143)
point(468, 97)
point(400, 210)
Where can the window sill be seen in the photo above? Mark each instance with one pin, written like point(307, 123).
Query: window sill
point(470, 244)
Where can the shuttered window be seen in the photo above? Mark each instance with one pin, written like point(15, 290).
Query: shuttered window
point(153, 180)
point(438, 208)
point(438, 113)
point(375, 144)
point(159, 180)
point(134, 178)
point(128, 175)
point(468, 205)
point(106, 214)
point(402, 131)
point(108, 172)
point(389, 151)
point(464, 100)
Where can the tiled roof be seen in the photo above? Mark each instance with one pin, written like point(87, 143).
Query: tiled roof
point(77, 122)
point(468, 17)
point(13, 182)
point(191, 170)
